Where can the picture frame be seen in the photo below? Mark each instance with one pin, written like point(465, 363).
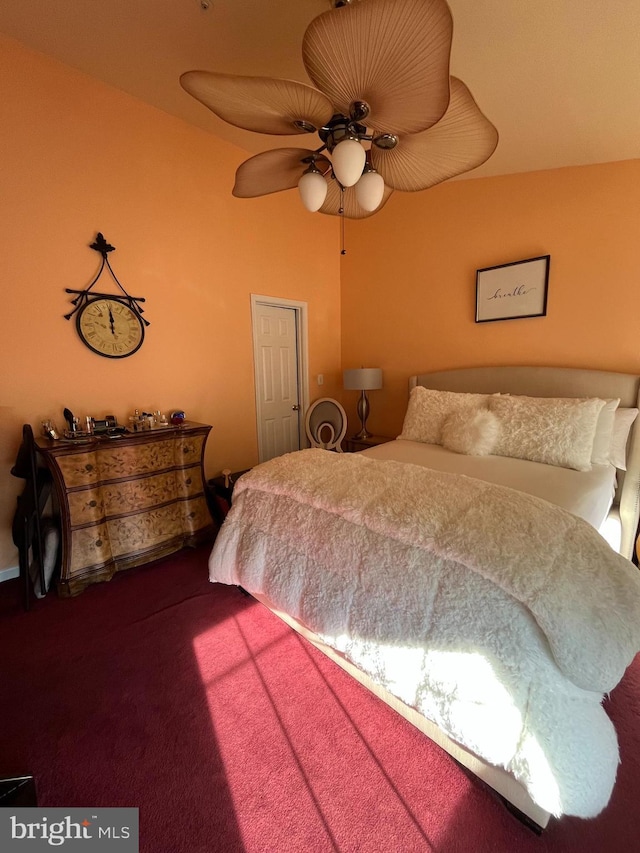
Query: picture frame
point(513, 291)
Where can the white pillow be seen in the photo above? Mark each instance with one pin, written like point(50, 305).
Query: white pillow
point(604, 433)
point(428, 409)
point(621, 426)
point(475, 433)
point(551, 430)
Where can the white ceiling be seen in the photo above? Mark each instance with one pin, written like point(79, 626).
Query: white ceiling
point(560, 79)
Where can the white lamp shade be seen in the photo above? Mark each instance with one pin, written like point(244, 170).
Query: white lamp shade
point(313, 190)
point(363, 379)
point(369, 190)
point(348, 158)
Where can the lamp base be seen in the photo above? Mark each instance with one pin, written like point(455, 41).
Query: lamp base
point(363, 414)
point(362, 434)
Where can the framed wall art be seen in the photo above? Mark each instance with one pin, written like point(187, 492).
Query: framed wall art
point(512, 291)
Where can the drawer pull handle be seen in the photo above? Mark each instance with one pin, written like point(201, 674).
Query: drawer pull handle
point(98, 543)
point(93, 503)
point(188, 481)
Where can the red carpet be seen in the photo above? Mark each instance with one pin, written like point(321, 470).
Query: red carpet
point(230, 733)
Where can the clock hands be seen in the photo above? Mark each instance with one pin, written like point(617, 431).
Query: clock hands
point(111, 321)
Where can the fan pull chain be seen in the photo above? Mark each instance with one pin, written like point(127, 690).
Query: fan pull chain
point(343, 251)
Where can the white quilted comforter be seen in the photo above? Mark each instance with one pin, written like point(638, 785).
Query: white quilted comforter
point(498, 616)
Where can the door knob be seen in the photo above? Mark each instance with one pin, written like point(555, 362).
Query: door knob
point(295, 408)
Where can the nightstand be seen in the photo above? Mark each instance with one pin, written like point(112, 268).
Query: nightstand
point(221, 494)
point(353, 445)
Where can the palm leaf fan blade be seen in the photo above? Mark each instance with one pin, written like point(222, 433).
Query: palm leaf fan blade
point(462, 140)
point(393, 56)
point(273, 171)
point(260, 104)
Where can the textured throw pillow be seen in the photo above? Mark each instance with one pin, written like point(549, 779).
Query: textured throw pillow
point(551, 430)
point(621, 426)
point(475, 433)
point(604, 433)
point(428, 409)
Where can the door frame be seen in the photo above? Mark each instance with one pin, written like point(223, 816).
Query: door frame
point(302, 353)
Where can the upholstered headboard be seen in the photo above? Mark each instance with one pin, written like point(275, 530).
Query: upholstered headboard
point(562, 382)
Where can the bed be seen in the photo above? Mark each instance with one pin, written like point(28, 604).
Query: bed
point(471, 589)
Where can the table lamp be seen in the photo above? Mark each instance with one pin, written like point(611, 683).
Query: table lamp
point(363, 379)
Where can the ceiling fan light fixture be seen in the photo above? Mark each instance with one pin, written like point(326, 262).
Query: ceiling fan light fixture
point(348, 159)
point(370, 190)
point(312, 187)
point(382, 100)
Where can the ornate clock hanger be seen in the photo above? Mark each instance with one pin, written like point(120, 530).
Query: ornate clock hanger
point(101, 245)
point(110, 325)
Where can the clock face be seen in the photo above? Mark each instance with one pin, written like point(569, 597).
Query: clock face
point(109, 327)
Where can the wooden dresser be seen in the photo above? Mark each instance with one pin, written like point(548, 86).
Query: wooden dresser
point(128, 500)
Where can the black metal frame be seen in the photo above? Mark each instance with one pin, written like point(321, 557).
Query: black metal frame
point(84, 296)
point(27, 521)
point(514, 294)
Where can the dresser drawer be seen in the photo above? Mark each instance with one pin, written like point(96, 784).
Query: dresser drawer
point(189, 482)
point(89, 547)
point(144, 531)
point(119, 462)
point(79, 469)
point(134, 495)
point(195, 514)
point(147, 492)
point(188, 449)
point(86, 506)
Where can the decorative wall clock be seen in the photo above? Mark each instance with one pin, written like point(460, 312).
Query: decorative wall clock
point(111, 326)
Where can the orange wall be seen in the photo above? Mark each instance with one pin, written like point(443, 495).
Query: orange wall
point(408, 279)
point(80, 157)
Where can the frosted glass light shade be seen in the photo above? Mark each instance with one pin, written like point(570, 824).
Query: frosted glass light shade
point(348, 158)
point(313, 190)
point(363, 379)
point(369, 191)
point(338, 199)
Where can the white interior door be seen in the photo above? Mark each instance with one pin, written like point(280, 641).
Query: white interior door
point(279, 403)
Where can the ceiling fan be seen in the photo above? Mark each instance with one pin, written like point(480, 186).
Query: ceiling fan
point(387, 113)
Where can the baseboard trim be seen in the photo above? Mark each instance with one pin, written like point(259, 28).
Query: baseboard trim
point(9, 574)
